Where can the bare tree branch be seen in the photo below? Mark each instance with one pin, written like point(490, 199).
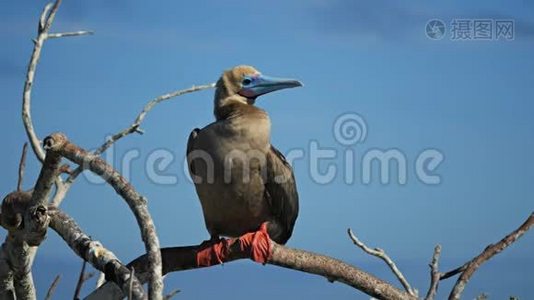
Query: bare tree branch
point(25, 217)
point(52, 288)
point(453, 272)
point(46, 19)
point(82, 278)
point(434, 274)
point(49, 172)
point(138, 204)
point(94, 253)
point(69, 34)
point(185, 258)
point(7, 290)
point(16, 253)
point(170, 295)
point(137, 123)
point(35, 217)
point(488, 253)
point(80, 281)
point(22, 166)
point(132, 271)
point(45, 23)
point(383, 256)
point(100, 280)
point(134, 127)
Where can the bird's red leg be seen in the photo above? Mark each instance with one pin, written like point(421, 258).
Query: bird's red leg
point(211, 252)
point(257, 244)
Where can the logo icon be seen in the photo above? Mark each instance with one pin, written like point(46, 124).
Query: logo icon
point(435, 29)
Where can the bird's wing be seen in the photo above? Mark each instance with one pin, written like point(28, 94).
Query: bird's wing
point(281, 194)
point(190, 143)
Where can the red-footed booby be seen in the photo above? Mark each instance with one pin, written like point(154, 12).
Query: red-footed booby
point(244, 183)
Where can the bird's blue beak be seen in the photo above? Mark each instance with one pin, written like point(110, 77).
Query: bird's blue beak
point(257, 85)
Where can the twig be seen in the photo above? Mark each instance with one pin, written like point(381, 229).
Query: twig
point(488, 253)
point(435, 275)
point(45, 23)
point(52, 288)
point(46, 19)
point(101, 279)
point(132, 276)
point(185, 258)
point(134, 127)
point(80, 282)
point(453, 272)
point(94, 253)
point(382, 255)
point(170, 295)
point(22, 166)
point(148, 107)
point(59, 144)
point(69, 34)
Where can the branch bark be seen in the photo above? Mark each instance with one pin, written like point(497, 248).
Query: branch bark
point(383, 256)
point(59, 144)
point(52, 288)
point(134, 127)
point(83, 277)
point(434, 274)
point(22, 167)
point(45, 22)
point(472, 266)
point(94, 253)
point(25, 217)
point(185, 258)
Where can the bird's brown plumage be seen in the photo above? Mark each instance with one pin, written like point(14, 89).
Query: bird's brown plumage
point(251, 182)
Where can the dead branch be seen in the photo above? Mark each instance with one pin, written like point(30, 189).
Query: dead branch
point(22, 166)
point(45, 22)
point(134, 127)
point(383, 256)
point(185, 258)
point(434, 274)
point(69, 34)
point(137, 123)
point(7, 290)
point(52, 288)
point(25, 217)
point(170, 295)
point(82, 278)
point(94, 253)
point(132, 271)
point(16, 255)
point(100, 280)
point(453, 272)
point(469, 268)
point(490, 251)
point(59, 144)
point(80, 281)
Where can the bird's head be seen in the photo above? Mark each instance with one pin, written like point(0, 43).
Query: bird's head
point(244, 84)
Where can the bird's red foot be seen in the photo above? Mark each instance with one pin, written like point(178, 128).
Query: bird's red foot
point(212, 252)
point(256, 244)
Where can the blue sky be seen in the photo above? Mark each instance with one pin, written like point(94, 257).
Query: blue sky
point(471, 100)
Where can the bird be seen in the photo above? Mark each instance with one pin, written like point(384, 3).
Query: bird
point(243, 182)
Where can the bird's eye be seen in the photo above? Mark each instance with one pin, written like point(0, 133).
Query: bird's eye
point(246, 81)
